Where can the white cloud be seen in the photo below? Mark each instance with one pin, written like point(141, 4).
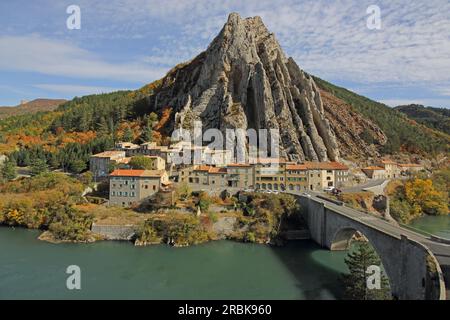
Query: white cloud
point(38, 54)
point(329, 39)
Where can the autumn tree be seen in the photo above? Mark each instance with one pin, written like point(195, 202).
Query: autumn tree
point(422, 195)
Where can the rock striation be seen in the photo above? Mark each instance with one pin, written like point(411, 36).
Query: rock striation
point(244, 80)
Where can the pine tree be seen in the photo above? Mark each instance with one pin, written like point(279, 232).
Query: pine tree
point(38, 166)
point(127, 135)
point(8, 170)
point(355, 282)
point(147, 134)
point(77, 166)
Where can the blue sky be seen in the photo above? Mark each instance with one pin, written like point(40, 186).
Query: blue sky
point(124, 44)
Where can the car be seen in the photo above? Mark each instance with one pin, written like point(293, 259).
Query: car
point(329, 189)
point(306, 194)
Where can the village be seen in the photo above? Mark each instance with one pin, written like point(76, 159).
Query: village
point(216, 172)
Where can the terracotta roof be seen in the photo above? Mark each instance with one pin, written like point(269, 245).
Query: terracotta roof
point(296, 167)
point(325, 166)
point(202, 168)
point(136, 173)
point(108, 154)
point(410, 165)
point(373, 168)
point(215, 170)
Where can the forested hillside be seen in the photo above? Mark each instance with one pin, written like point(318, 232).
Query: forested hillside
point(434, 118)
point(403, 134)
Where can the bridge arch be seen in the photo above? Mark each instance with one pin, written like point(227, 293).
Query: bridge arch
point(343, 238)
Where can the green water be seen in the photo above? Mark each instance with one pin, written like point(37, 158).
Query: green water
point(32, 269)
point(437, 225)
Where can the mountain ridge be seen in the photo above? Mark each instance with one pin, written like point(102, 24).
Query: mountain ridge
point(36, 105)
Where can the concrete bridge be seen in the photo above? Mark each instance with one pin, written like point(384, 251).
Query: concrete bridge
point(412, 261)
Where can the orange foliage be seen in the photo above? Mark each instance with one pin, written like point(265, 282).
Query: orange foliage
point(78, 137)
point(165, 117)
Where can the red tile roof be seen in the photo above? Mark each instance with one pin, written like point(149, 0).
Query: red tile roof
point(410, 165)
point(215, 170)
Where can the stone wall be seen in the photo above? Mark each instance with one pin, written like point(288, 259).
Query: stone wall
point(115, 232)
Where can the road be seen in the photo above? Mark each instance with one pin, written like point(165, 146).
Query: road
point(361, 187)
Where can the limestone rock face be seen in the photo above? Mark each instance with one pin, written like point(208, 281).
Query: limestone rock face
point(244, 80)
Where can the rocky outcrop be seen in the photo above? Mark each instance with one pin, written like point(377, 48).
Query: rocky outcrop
point(244, 80)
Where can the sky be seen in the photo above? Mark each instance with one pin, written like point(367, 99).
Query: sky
point(125, 44)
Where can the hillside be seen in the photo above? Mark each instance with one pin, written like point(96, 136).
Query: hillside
point(403, 134)
point(434, 118)
point(33, 106)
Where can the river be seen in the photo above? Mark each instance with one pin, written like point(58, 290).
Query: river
point(32, 269)
point(437, 225)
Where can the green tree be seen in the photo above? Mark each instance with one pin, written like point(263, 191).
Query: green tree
point(141, 163)
point(38, 166)
point(355, 283)
point(8, 170)
point(127, 135)
point(147, 134)
point(77, 166)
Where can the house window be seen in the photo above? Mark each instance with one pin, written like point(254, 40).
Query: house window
point(113, 193)
point(154, 187)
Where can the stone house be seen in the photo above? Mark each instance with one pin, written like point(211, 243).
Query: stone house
point(100, 164)
point(129, 187)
